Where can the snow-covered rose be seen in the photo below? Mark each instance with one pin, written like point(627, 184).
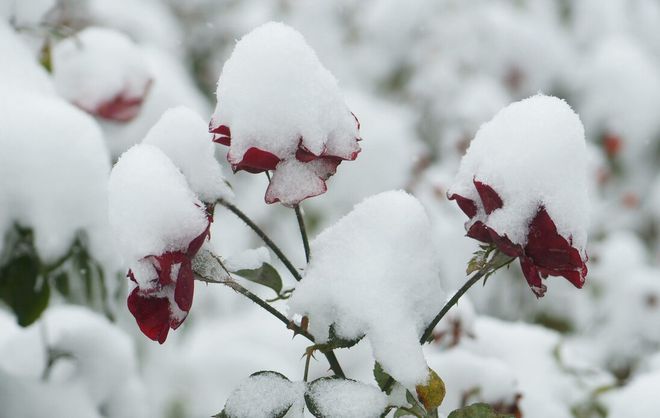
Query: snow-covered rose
point(159, 225)
point(103, 72)
point(280, 110)
point(523, 182)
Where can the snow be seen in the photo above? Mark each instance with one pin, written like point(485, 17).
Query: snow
point(97, 66)
point(24, 71)
point(25, 13)
point(532, 153)
point(263, 395)
point(152, 209)
point(183, 136)
point(364, 284)
point(54, 191)
point(273, 91)
point(340, 398)
point(636, 400)
point(488, 380)
point(294, 181)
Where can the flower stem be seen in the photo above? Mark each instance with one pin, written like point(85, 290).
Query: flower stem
point(236, 211)
point(497, 261)
point(303, 231)
point(238, 288)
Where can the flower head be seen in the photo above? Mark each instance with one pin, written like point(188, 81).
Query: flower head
point(280, 110)
point(522, 183)
point(102, 72)
point(167, 299)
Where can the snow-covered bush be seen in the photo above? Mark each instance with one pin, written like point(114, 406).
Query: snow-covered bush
point(353, 296)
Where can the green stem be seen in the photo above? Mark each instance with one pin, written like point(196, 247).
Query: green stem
point(303, 231)
point(236, 211)
point(232, 284)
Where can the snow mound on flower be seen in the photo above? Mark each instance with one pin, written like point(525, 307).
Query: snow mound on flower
point(374, 273)
point(532, 153)
point(98, 66)
point(183, 136)
point(54, 172)
point(341, 398)
point(262, 395)
point(274, 92)
point(152, 209)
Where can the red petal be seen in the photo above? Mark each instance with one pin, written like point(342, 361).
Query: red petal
point(222, 134)
point(256, 160)
point(185, 286)
point(547, 248)
point(480, 232)
point(489, 197)
point(467, 205)
point(504, 244)
point(304, 155)
point(151, 314)
point(533, 277)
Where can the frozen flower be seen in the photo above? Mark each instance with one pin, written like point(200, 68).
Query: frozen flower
point(159, 225)
point(280, 110)
point(167, 299)
point(522, 183)
point(102, 72)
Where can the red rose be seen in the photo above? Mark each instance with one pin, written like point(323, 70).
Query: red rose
point(166, 304)
point(546, 252)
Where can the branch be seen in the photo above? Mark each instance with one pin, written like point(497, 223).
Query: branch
point(236, 211)
point(303, 231)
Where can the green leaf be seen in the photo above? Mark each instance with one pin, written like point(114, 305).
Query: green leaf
point(266, 275)
point(23, 288)
point(432, 393)
point(477, 410)
point(382, 378)
point(335, 341)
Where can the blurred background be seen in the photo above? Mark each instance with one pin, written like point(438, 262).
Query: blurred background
point(421, 76)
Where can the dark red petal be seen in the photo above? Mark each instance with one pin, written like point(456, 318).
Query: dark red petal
point(164, 265)
point(547, 248)
point(489, 197)
point(533, 277)
point(304, 156)
point(480, 232)
point(185, 286)
point(197, 243)
point(151, 314)
point(467, 205)
point(256, 160)
point(504, 244)
point(222, 134)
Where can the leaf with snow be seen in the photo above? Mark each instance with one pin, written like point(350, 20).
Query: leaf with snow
point(333, 397)
point(264, 394)
point(266, 275)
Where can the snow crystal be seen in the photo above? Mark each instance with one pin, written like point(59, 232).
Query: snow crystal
point(183, 136)
point(340, 398)
point(97, 66)
point(374, 273)
point(532, 153)
point(58, 169)
point(273, 93)
point(263, 395)
point(152, 209)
